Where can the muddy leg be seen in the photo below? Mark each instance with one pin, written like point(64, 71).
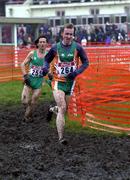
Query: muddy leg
point(26, 99)
point(32, 104)
point(60, 120)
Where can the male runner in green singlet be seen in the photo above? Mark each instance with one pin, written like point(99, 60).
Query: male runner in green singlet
point(68, 59)
point(33, 79)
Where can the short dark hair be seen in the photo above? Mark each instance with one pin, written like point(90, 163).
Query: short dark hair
point(37, 40)
point(69, 26)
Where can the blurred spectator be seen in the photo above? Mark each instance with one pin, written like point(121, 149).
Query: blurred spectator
point(113, 41)
point(126, 37)
point(16, 1)
point(84, 41)
point(22, 30)
point(49, 2)
point(46, 31)
point(120, 37)
point(108, 39)
point(6, 34)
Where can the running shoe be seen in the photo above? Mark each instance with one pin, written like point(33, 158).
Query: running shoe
point(49, 115)
point(27, 119)
point(63, 141)
point(54, 109)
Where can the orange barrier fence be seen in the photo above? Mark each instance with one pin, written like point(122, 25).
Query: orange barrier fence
point(101, 98)
point(10, 60)
point(102, 94)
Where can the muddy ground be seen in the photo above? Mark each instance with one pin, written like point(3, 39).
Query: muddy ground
point(31, 151)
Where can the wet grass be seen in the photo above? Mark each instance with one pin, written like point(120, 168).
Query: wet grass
point(10, 95)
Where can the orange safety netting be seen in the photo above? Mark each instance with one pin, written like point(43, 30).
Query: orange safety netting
point(101, 99)
point(10, 60)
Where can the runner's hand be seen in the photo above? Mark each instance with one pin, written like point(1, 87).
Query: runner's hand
point(71, 76)
point(26, 79)
point(44, 71)
point(50, 76)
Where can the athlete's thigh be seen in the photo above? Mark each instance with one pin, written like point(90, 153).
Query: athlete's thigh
point(35, 94)
point(26, 94)
point(59, 97)
point(67, 97)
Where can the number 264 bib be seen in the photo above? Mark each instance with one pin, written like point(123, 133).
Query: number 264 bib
point(63, 69)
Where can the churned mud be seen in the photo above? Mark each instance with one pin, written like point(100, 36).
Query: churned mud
point(30, 151)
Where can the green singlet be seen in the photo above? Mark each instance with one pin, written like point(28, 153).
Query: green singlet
point(35, 72)
point(66, 56)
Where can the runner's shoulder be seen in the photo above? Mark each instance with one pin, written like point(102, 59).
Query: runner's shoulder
point(78, 46)
point(31, 53)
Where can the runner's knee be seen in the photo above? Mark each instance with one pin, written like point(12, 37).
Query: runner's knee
point(34, 101)
point(62, 108)
point(25, 100)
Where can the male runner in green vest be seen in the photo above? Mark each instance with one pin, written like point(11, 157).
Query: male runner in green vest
point(68, 59)
point(33, 79)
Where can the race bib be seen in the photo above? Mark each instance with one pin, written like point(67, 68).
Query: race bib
point(63, 69)
point(36, 71)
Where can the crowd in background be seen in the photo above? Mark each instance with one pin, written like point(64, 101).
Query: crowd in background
point(66, 1)
point(48, 1)
point(96, 34)
point(53, 1)
point(60, 1)
point(27, 33)
point(15, 1)
point(108, 34)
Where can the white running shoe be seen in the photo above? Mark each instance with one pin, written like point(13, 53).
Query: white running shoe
point(54, 109)
point(63, 141)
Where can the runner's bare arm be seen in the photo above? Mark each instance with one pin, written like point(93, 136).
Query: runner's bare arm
point(26, 61)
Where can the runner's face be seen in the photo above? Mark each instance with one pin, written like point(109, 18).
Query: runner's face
point(42, 43)
point(68, 36)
